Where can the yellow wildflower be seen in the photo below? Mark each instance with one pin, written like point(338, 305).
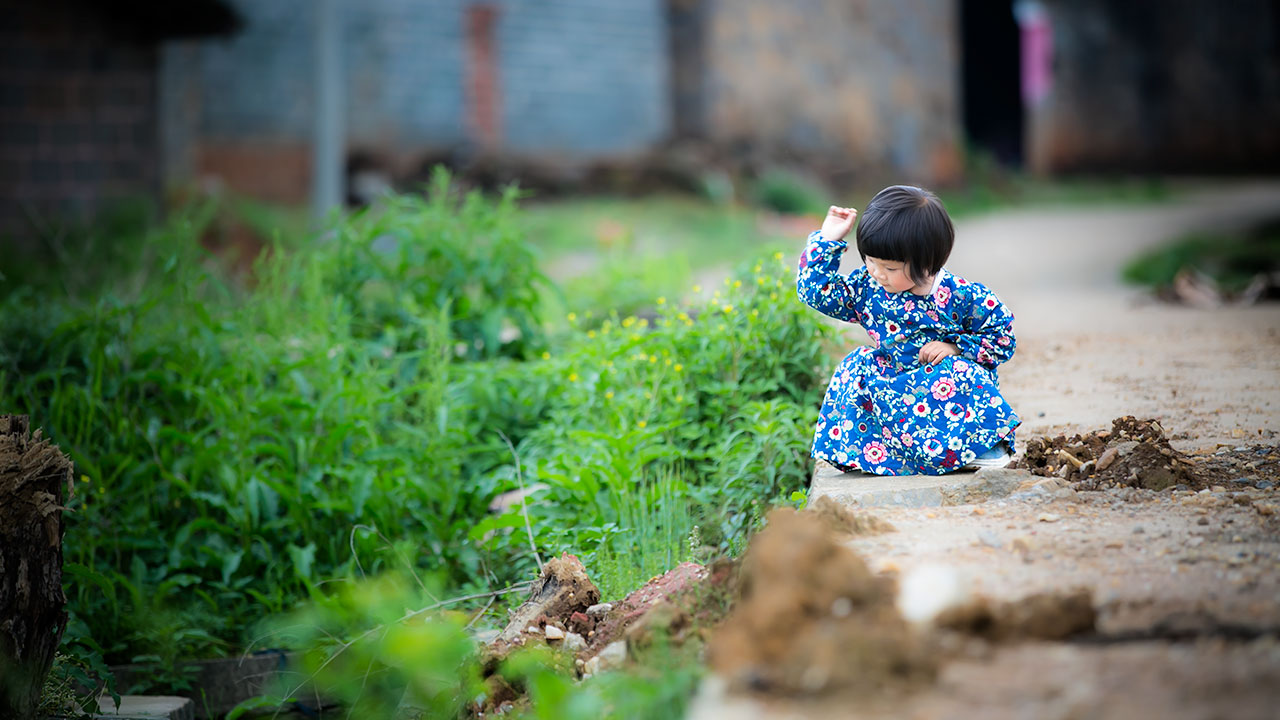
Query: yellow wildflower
point(662, 301)
point(777, 256)
point(642, 424)
point(573, 377)
point(737, 283)
point(573, 317)
point(697, 288)
point(546, 355)
point(608, 395)
point(679, 367)
point(591, 333)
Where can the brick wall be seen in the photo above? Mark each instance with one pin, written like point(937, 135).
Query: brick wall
point(556, 79)
point(1184, 86)
point(78, 121)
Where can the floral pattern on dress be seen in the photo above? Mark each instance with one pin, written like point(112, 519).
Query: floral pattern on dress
point(885, 412)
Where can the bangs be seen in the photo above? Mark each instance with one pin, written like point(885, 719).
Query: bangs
point(909, 225)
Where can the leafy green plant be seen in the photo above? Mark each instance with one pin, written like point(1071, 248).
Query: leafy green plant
point(788, 192)
point(1233, 260)
point(240, 446)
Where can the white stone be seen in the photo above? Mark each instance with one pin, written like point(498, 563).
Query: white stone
point(599, 610)
point(553, 633)
point(928, 590)
point(613, 654)
point(573, 642)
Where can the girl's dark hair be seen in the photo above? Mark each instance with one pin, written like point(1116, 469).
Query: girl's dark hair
point(907, 224)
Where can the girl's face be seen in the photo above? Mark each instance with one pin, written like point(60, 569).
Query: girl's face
point(892, 275)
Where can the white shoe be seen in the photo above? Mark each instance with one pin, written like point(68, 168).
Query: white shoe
point(997, 457)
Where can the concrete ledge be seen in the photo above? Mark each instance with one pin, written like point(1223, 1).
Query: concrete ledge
point(914, 490)
point(147, 707)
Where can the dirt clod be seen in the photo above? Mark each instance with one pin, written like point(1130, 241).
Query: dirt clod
point(1134, 453)
point(562, 590)
point(812, 617)
point(1043, 616)
point(840, 519)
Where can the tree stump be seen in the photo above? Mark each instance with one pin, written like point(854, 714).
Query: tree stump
point(33, 477)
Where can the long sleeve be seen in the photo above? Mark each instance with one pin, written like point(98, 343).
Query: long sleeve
point(988, 323)
point(819, 283)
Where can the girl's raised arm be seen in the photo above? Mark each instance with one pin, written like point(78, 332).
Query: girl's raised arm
point(819, 283)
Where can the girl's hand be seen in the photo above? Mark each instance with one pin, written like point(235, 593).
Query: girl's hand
point(933, 352)
point(838, 223)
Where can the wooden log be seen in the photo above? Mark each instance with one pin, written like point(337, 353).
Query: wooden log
point(33, 477)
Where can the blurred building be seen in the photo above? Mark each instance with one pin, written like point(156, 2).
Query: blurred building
point(102, 97)
point(79, 119)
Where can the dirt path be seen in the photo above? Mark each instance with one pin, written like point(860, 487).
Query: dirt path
point(1186, 585)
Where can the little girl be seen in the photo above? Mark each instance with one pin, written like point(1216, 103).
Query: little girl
point(924, 396)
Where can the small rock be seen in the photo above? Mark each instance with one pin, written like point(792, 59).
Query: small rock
point(532, 629)
point(928, 590)
point(573, 642)
point(1048, 517)
point(1195, 541)
point(1181, 487)
point(613, 654)
point(990, 539)
point(842, 607)
point(1264, 485)
point(1202, 521)
point(1217, 488)
point(1109, 456)
point(553, 633)
point(1138, 530)
point(599, 610)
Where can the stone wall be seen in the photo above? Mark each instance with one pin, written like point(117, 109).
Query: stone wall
point(860, 89)
point(1183, 86)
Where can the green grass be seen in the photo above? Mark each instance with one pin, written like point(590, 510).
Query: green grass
point(1231, 259)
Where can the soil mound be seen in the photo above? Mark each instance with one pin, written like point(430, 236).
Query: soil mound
point(1134, 453)
point(659, 590)
point(811, 617)
point(840, 519)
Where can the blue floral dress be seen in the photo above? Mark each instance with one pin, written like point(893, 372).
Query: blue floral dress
point(886, 412)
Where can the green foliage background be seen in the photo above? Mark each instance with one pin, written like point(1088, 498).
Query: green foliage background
point(239, 443)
